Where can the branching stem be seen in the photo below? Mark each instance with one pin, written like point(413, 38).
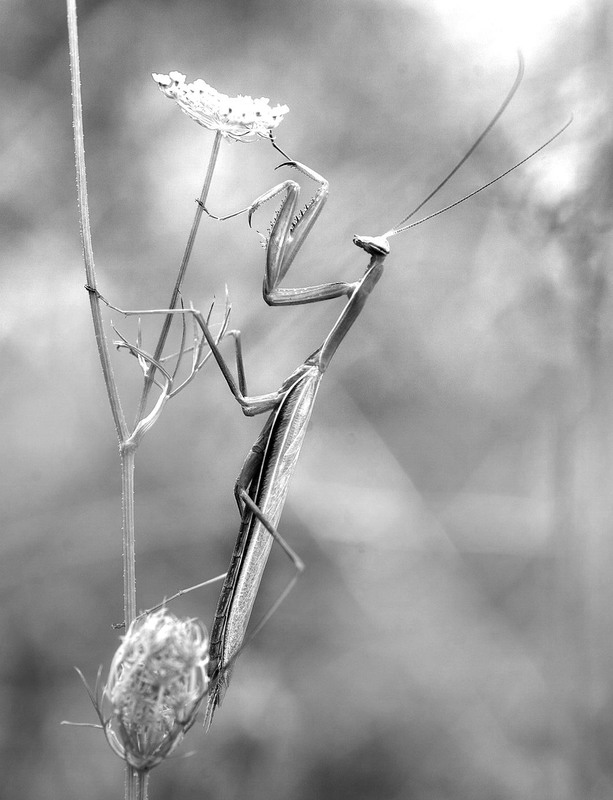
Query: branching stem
point(86, 239)
point(135, 785)
point(176, 292)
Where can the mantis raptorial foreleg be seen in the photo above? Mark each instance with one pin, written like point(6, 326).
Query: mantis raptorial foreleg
point(289, 229)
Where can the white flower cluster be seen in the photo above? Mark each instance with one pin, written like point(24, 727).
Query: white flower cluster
point(241, 118)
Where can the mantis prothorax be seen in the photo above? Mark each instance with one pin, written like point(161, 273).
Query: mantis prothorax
point(262, 485)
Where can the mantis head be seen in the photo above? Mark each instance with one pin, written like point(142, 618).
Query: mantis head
point(374, 245)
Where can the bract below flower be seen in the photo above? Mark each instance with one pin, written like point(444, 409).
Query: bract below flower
point(241, 118)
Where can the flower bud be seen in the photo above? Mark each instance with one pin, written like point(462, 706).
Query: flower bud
point(156, 684)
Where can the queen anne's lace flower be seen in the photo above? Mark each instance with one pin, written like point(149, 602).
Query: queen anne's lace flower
point(156, 684)
point(242, 118)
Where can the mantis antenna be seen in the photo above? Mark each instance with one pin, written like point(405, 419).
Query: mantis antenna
point(394, 231)
point(511, 93)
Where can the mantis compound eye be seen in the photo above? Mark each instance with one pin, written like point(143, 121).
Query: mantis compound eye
point(374, 245)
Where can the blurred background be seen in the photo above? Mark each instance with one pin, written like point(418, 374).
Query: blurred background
point(452, 636)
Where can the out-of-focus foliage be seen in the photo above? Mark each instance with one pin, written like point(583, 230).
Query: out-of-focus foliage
point(452, 635)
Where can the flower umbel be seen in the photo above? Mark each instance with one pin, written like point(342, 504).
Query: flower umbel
point(156, 684)
point(242, 118)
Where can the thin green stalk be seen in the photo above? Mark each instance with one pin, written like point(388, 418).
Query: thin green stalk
point(86, 239)
point(143, 785)
point(128, 456)
point(127, 452)
point(174, 299)
point(136, 785)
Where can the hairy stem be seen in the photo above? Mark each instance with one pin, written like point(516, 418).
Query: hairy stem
point(176, 292)
point(128, 457)
point(137, 784)
point(134, 786)
point(143, 786)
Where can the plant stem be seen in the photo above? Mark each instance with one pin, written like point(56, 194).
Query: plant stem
point(134, 785)
point(128, 457)
point(174, 299)
point(137, 784)
point(143, 785)
point(86, 240)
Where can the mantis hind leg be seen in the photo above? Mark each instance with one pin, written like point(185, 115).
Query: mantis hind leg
point(289, 551)
point(251, 467)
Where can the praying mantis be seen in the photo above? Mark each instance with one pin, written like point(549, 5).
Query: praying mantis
point(262, 485)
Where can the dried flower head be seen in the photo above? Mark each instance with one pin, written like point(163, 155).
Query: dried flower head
point(240, 118)
point(156, 684)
